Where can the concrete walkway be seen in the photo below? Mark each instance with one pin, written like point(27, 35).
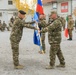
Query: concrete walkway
point(34, 62)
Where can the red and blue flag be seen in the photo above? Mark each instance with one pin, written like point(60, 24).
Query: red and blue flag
point(39, 10)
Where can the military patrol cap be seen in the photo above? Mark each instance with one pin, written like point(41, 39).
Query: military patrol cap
point(22, 12)
point(53, 12)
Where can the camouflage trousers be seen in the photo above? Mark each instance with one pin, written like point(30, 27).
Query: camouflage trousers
point(55, 50)
point(3, 28)
point(70, 33)
point(43, 40)
point(15, 52)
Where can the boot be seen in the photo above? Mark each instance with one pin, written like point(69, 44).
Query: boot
point(70, 39)
point(42, 52)
point(50, 67)
point(61, 65)
point(19, 67)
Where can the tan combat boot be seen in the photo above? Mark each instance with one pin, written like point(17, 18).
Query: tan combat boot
point(42, 52)
point(50, 67)
point(61, 65)
point(19, 67)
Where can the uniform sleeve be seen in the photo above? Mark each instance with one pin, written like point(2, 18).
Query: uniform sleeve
point(30, 22)
point(72, 24)
point(29, 25)
point(42, 23)
point(17, 21)
point(51, 27)
point(44, 30)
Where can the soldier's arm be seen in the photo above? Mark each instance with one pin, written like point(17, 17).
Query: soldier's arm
point(72, 24)
point(29, 25)
point(30, 22)
point(50, 27)
point(44, 30)
point(42, 23)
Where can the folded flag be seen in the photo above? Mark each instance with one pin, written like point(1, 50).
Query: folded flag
point(39, 10)
point(66, 29)
point(36, 37)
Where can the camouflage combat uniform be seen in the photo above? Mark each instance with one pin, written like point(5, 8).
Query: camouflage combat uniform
point(75, 24)
point(54, 39)
point(0, 26)
point(42, 24)
point(63, 22)
point(16, 36)
point(4, 26)
point(10, 24)
point(70, 27)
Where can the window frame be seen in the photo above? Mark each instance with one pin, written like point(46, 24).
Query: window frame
point(10, 2)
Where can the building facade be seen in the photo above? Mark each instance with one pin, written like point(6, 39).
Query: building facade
point(63, 7)
point(7, 10)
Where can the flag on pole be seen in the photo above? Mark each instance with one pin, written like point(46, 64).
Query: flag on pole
point(36, 37)
point(39, 10)
point(66, 29)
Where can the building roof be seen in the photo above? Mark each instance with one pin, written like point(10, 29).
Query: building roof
point(47, 1)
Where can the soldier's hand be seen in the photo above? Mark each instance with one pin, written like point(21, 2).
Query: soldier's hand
point(32, 22)
point(39, 31)
point(37, 28)
point(36, 22)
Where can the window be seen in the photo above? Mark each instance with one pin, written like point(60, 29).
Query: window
point(10, 2)
point(54, 5)
point(0, 14)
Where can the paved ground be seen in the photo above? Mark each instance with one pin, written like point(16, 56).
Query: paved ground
point(34, 62)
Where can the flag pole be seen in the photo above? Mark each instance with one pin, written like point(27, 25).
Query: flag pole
point(41, 49)
point(37, 39)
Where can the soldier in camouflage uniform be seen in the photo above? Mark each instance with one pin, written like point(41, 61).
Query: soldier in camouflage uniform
point(0, 25)
point(75, 24)
point(11, 21)
point(4, 25)
point(16, 36)
point(70, 26)
point(42, 24)
point(10, 24)
point(54, 38)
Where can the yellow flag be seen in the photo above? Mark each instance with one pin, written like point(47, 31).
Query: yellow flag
point(25, 6)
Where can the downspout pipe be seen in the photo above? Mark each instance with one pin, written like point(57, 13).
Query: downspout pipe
point(71, 7)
